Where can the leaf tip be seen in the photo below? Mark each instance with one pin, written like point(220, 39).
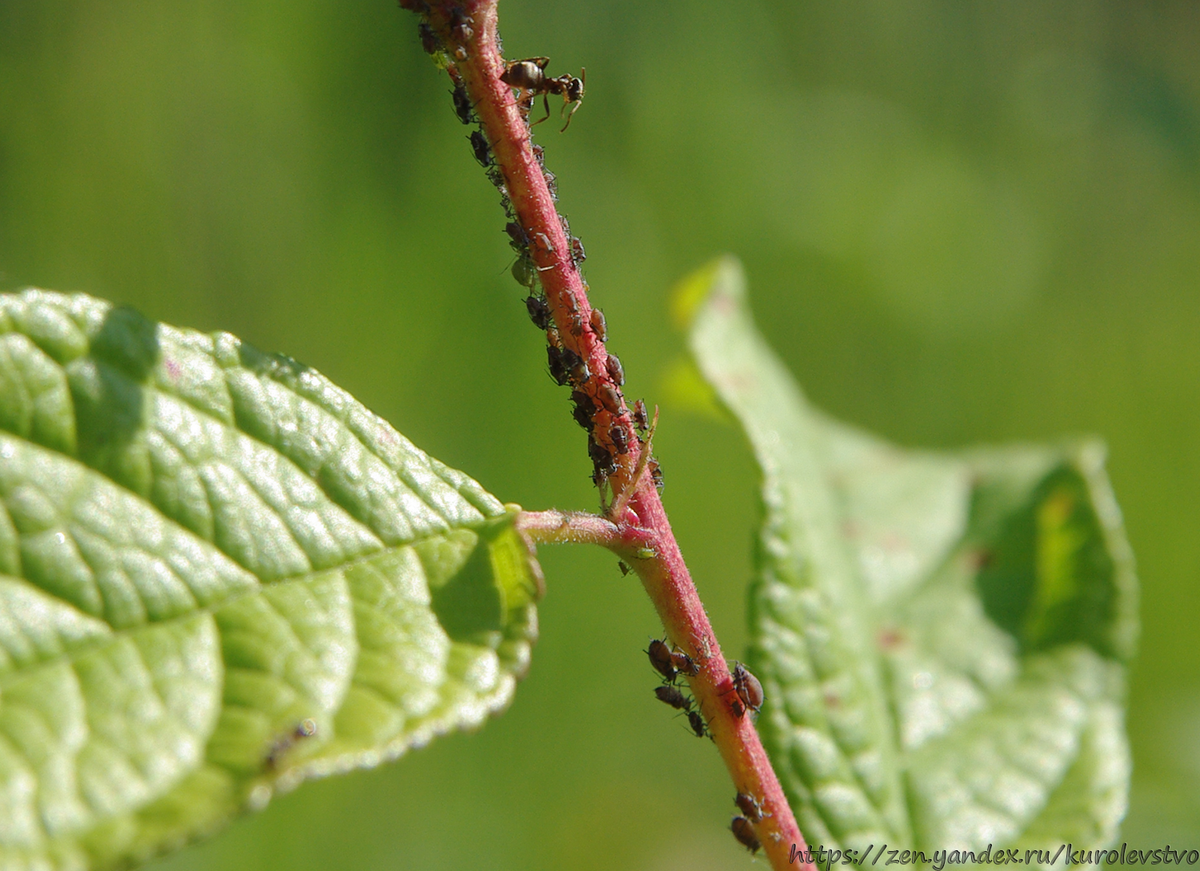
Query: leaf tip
point(722, 276)
point(686, 388)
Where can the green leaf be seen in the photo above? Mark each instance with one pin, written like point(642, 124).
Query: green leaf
point(942, 637)
point(220, 575)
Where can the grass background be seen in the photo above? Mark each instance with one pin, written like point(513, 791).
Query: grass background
point(962, 221)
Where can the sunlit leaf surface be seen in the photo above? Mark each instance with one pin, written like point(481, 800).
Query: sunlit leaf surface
point(220, 575)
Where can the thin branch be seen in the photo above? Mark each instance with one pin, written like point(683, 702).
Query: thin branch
point(463, 37)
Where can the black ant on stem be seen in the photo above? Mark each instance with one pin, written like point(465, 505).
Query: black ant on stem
point(530, 75)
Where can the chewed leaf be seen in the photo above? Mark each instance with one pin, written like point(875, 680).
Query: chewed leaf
point(942, 637)
point(220, 575)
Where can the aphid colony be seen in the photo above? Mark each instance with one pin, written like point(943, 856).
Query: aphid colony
point(743, 826)
point(597, 404)
point(566, 367)
point(670, 663)
point(591, 397)
point(461, 27)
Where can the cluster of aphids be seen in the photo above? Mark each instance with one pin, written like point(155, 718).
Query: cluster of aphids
point(749, 693)
point(743, 826)
point(567, 367)
point(462, 31)
point(607, 439)
point(670, 664)
point(461, 27)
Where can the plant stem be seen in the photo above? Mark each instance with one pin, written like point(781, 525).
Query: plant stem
point(642, 535)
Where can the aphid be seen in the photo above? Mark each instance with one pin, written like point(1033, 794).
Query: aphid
point(483, 151)
point(543, 243)
point(743, 830)
point(615, 370)
point(599, 454)
point(576, 324)
point(624, 568)
point(578, 255)
point(525, 275)
point(584, 408)
point(462, 104)
point(551, 183)
point(619, 438)
point(429, 39)
point(671, 696)
point(530, 75)
point(748, 688)
point(576, 366)
point(558, 368)
point(609, 398)
point(640, 421)
point(602, 461)
point(599, 325)
point(697, 724)
point(660, 658)
point(460, 25)
point(304, 729)
point(518, 239)
point(749, 806)
point(656, 474)
point(539, 311)
point(684, 664)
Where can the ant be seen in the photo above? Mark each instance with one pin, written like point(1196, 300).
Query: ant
point(530, 75)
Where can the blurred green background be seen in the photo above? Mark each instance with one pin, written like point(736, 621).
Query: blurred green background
point(962, 222)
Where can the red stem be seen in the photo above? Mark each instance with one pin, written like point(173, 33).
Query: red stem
point(642, 536)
